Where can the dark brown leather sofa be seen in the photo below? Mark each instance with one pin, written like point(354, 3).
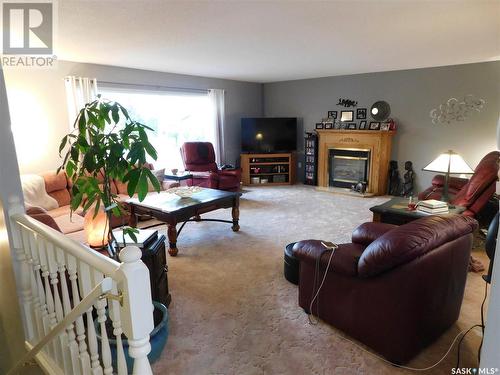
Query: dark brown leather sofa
point(394, 288)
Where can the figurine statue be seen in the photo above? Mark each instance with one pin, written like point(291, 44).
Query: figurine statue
point(394, 179)
point(360, 187)
point(409, 178)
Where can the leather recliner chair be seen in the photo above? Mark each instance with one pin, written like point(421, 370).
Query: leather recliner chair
point(199, 159)
point(472, 193)
point(394, 288)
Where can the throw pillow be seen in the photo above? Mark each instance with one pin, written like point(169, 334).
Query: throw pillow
point(160, 175)
point(35, 194)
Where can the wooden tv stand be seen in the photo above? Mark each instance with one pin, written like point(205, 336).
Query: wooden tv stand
point(277, 169)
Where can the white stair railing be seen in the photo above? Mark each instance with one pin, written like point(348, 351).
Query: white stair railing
point(64, 287)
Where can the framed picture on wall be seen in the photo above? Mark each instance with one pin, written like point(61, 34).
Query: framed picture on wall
point(346, 116)
point(374, 125)
point(336, 124)
point(319, 125)
point(362, 125)
point(332, 114)
point(351, 126)
point(384, 126)
point(361, 113)
point(329, 125)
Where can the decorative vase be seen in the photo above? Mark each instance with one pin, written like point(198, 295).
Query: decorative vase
point(157, 338)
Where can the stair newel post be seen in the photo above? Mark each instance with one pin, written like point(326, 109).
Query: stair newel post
point(137, 307)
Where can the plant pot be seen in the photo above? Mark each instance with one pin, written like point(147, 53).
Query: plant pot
point(157, 338)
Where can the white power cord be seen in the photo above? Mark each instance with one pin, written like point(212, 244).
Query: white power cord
point(314, 321)
point(332, 247)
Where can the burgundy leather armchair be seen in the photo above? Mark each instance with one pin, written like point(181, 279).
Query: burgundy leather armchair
point(394, 288)
point(199, 158)
point(473, 193)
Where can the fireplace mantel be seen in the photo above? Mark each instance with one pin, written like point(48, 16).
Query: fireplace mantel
point(378, 142)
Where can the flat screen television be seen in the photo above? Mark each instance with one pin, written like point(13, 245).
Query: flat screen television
point(268, 135)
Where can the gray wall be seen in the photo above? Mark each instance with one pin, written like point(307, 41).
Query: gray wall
point(38, 105)
point(411, 95)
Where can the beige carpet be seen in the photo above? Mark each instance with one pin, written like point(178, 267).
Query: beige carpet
point(233, 312)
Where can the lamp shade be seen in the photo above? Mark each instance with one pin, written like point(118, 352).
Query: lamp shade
point(449, 162)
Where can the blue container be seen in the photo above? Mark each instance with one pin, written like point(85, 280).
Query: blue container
point(157, 339)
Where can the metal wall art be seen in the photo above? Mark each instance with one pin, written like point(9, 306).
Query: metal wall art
point(455, 110)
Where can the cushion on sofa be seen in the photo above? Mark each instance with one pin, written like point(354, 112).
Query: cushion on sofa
point(34, 192)
point(160, 176)
point(69, 224)
point(407, 242)
point(56, 186)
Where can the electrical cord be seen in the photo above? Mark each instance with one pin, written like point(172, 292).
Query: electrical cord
point(460, 342)
point(465, 331)
point(482, 322)
point(331, 248)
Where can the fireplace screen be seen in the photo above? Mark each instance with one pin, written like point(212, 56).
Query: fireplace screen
point(348, 167)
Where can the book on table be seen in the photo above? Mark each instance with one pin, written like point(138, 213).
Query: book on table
point(433, 204)
point(427, 210)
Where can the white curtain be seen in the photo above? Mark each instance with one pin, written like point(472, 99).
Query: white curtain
point(79, 91)
point(217, 100)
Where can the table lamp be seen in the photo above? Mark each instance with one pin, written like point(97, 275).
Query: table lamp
point(448, 163)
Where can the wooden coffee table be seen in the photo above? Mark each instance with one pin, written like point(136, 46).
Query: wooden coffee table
point(395, 211)
point(174, 210)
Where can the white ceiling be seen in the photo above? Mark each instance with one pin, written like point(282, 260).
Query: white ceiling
point(277, 40)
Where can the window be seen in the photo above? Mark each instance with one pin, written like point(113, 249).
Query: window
point(175, 117)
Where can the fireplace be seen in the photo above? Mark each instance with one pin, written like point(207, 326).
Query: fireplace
point(347, 167)
point(376, 144)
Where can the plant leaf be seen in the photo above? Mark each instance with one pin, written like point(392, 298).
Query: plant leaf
point(142, 187)
point(153, 179)
point(133, 179)
point(63, 144)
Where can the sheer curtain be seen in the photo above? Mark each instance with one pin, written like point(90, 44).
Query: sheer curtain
point(216, 97)
point(79, 91)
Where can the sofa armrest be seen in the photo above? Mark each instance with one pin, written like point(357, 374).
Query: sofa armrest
point(47, 220)
point(344, 261)
point(411, 241)
point(35, 210)
point(366, 233)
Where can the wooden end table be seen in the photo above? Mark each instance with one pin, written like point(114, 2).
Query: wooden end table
point(395, 211)
point(174, 210)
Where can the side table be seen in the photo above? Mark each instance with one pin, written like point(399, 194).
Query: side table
point(395, 211)
point(179, 176)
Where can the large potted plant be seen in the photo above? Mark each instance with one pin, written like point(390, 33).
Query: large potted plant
point(105, 145)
